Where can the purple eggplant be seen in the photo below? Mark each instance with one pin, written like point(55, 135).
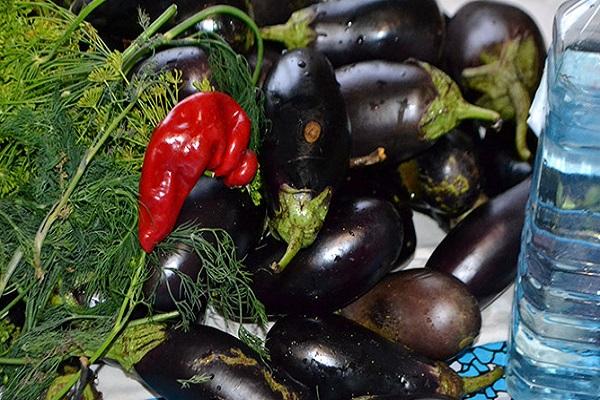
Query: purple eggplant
point(348, 31)
point(212, 205)
point(344, 360)
point(483, 249)
point(402, 107)
point(306, 152)
point(360, 242)
point(496, 51)
point(271, 12)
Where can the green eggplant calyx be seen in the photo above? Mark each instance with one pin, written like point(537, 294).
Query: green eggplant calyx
point(135, 342)
point(476, 383)
point(295, 33)
point(450, 384)
point(298, 220)
point(506, 78)
point(448, 108)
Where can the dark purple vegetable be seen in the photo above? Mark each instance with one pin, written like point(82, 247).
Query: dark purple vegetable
point(191, 61)
point(348, 31)
point(270, 12)
point(206, 363)
point(447, 178)
point(431, 312)
point(306, 153)
point(345, 360)
point(497, 51)
point(360, 242)
point(118, 20)
point(272, 53)
point(400, 397)
point(402, 107)
point(212, 205)
point(482, 250)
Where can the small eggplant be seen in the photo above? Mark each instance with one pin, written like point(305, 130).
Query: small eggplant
point(402, 107)
point(212, 205)
point(497, 50)
point(270, 12)
point(431, 312)
point(191, 61)
point(483, 249)
point(360, 242)
point(447, 178)
point(348, 31)
point(206, 363)
point(344, 360)
point(306, 153)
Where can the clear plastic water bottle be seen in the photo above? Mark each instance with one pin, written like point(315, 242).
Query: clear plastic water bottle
point(555, 336)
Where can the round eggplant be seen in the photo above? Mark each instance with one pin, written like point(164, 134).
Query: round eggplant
point(430, 312)
point(348, 31)
point(306, 153)
point(344, 360)
point(483, 249)
point(270, 12)
point(402, 107)
point(272, 53)
point(211, 205)
point(206, 363)
point(496, 51)
point(191, 61)
point(360, 242)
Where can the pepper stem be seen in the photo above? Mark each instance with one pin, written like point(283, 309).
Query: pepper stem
point(295, 33)
point(476, 383)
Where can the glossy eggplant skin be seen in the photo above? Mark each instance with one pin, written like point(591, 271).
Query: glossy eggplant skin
point(431, 312)
point(483, 249)
point(386, 102)
point(302, 89)
point(360, 242)
point(271, 12)
point(346, 360)
point(191, 61)
point(234, 371)
point(213, 205)
point(356, 30)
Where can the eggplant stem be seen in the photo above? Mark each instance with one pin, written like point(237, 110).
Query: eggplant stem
point(294, 246)
point(471, 111)
point(521, 103)
point(295, 33)
point(376, 156)
point(476, 383)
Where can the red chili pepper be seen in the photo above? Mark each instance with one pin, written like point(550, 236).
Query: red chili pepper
point(207, 130)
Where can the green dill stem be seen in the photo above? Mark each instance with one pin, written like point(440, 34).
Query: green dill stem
point(10, 269)
point(154, 319)
point(57, 209)
point(226, 10)
point(14, 361)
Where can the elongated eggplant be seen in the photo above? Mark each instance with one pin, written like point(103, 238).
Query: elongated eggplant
point(345, 360)
point(402, 107)
point(483, 249)
point(447, 177)
point(211, 205)
point(191, 61)
point(206, 363)
point(431, 312)
point(270, 12)
point(306, 152)
point(348, 31)
point(358, 245)
point(496, 51)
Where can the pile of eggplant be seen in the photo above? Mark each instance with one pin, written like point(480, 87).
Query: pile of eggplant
point(376, 109)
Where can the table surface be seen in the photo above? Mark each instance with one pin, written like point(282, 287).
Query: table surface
point(495, 318)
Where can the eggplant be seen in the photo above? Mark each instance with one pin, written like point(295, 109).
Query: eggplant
point(344, 360)
point(212, 205)
point(402, 107)
point(348, 31)
point(482, 250)
point(270, 12)
point(191, 61)
point(206, 363)
point(306, 153)
point(117, 21)
point(272, 53)
point(395, 397)
point(431, 312)
point(360, 242)
point(447, 178)
point(496, 52)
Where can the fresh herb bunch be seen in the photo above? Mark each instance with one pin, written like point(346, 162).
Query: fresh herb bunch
point(73, 130)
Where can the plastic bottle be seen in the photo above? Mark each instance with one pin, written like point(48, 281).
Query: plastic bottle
point(554, 347)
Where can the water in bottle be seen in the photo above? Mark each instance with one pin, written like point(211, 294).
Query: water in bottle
point(555, 335)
